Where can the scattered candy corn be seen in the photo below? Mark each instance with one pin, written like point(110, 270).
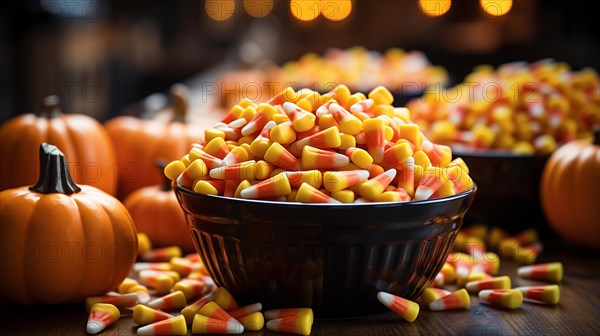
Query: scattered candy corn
point(406, 309)
point(502, 298)
point(169, 302)
point(546, 294)
point(292, 321)
point(207, 325)
point(172, 326)
point(431, 294)
point(502, 282)
point(457, 300)
point(101, 316)
point(551, 272)
point(143, 315)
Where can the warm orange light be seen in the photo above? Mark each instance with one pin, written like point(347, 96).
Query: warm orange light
point(435, 7)
point(219, 10)
point(258, 8)
point(305, 10)
point(496, 7)
point(336, 10)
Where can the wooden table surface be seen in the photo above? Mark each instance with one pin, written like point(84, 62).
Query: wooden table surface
point(577, 314)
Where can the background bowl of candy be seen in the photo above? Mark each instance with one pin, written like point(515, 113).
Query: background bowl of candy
point(505, 123)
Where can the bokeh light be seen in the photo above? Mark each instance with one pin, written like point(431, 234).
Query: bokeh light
point(336, 10)
point(435, 8)
point(305, 10)
point(258, 8)
point(219, 10)
point(496, 7)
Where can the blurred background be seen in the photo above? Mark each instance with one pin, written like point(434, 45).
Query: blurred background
point(103, 57)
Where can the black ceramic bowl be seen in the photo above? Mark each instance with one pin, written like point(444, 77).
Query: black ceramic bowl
point(333, 258)
point(509, 189)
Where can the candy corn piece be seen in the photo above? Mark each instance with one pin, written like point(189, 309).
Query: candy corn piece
point(359, 157)
point(190, 288)
point(293, 321)
point(210, 160)
point(475, 276)
point(431, 294)
point(194, 171)
point(312, 177)
point(190, 311)
point(406, 309)
point(162, 282)
point(207, 325)
point(162, 254)
point(217, 147)
point(172, 326)
point(302, 120)
point(372, 188)
point(529, 254)
point(214, 311)
point(502, 298)
point(142, 293)
point(224, 299)
point(121, 301)
point(308, 194)
point(449, 273)
point(144, 243)
point(375, 136)
point(277, 155)
point(489, 263)
point(439, 155)
point(396, 153)
point(327, 138)
point(174, 169)
point(183, 266)
point(143, 315)
point(457, 300)
point(101, 316)
point(551, 272)
point(315, 158)
point(546, 294)
point(339, 180)
point(261, 118)
point(252, 322)
point(348, 123)
point(430, 182)
point(527, 236)
point(155, 266)
point(362, 106)
point(278, 185)
point(246, 310)
point(283, 133)
point(236, 155)
point(237, 172)
point(171, 274)
point(169, 302)
point(126, 284)
point(406, 175)
point(502, 282)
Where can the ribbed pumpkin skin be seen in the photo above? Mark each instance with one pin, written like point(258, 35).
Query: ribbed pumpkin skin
point(157, 213)
point(81, 138)
point(63, 248)
point(570, 192)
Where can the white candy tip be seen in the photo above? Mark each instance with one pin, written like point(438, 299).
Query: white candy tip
point(289, 107)
point(423, 193)
point(436, 305)
point(216, 173)
point(340, 160)
point(93, 327)
point(386, 298)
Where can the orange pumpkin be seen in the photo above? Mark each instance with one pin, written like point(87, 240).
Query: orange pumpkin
point(156, 212)
point(140, 142)
point(62, 242)
point(570, 191)
point(81, 138)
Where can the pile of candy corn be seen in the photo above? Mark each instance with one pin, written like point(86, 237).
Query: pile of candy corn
point(519, 107)
point(307, 147)
point(185, 299)
point(475, 272)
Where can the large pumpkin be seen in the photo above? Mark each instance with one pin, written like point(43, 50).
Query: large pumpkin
point(61, 242)
point(156, 212)
point(83, 140)
point(570, 191)
point(139, 143)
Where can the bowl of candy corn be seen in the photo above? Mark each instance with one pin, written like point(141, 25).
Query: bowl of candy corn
point(321, 200)
point(504, 123)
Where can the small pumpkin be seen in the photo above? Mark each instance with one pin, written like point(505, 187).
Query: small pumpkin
point(139, 142)
point(156, 212)
point(570, 191)
point(62, 242)
point(83, 140)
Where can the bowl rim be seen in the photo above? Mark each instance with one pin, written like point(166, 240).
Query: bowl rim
point(463, 194)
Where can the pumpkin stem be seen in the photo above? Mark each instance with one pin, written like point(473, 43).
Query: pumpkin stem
point(54, 173)
point(51, 107)
point(179, 95)
point(161, 164)
point(596, 131)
